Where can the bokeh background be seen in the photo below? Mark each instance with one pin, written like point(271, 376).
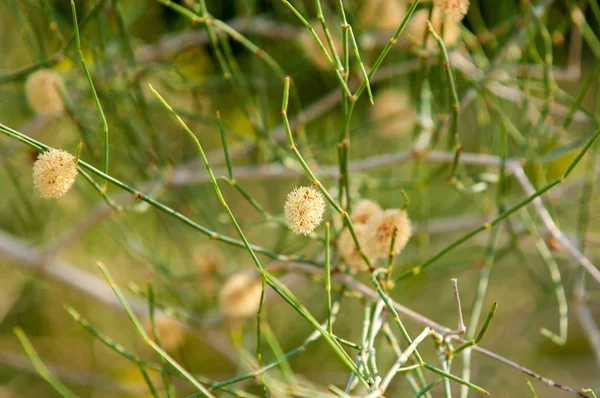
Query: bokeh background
point(49, 248)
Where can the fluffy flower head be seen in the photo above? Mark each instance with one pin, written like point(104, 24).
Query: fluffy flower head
point(383, 14)
point(170, 333)
point(312, 49)
point(348, 250)
point(454, 10)
point(41, 90)
point(54, 172)
point(240, 296)
point(304, 209)
point(380, 229)
point(363, 211)
point(417, 27)
point(208, 259)
point(392, 113)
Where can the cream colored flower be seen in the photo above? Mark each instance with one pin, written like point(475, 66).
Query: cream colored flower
point(208, 259)
point(383, 14)
point(363, 210)
point(42, 92)
point(454, 10)
point(380, 229)
point(313, 50)
point(170, 332)
point(54, 173)
point(304, 209)
point(392, 113)
point(348, 250)
point(417, 27)
point(240, 296)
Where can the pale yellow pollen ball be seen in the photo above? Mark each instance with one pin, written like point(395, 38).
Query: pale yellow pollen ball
point(169, 331)
point(208, 259)
point(42, 92)
point(312, 49)
point(383, 14)
point(380, 229)
point(417, 27)
point(54, 173)
point(393, 113)
point(304, 209)
point(240, 296)
point(454, 10)
point(363, 211)
point(348, 250)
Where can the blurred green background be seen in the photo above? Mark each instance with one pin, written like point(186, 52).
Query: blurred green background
point(149, 152)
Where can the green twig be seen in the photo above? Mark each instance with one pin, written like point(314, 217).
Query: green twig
point(42, 370)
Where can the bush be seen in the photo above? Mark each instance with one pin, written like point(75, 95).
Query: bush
point(291, 192)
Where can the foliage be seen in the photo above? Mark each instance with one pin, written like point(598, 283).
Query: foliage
point(434, 149)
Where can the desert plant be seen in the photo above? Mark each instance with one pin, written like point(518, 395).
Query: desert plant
point(442, 141)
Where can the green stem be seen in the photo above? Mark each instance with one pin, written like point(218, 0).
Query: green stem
point(416, 270)
point(93, 89)
point(39, 366)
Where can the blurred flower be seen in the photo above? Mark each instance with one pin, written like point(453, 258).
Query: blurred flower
point(41, 90)
point(240, 296)
point(348, 250)
point(54, 172)
point(363, 211)
point(208, 259)
point(417, 27)
point(393, 113)
point(453, 10)
point(304, 209)
point(380, 229)
point(170, 333)
point(313, 50)
point(383, 14)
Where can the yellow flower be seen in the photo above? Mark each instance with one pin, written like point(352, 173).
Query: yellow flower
point(312, 49)
point(348, 250)
point(417, 27)
point(208, 259)
point(380, 229)
point(54, 173)
point(392, 113)
point(454, 10)
point(170, 333)
point(240, 296)
point(304, 209)
point(363, 211)
point(42, 92)
point(383, 14)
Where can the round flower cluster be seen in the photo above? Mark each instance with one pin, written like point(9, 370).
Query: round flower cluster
point(312, 49)
point(42, 92)
point(169, 331)
point(417, 27)
point(304, 209)
point(208, 261)
point(453, 10)
point(374, 229)
point(393, 114)
point(240, 296)
point(383, 14)
point(54, 173)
